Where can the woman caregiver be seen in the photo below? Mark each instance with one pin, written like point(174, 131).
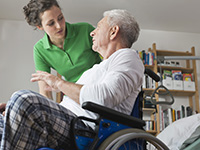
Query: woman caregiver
point(65, 47)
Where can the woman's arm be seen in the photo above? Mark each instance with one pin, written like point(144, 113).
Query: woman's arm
point(42, 88)
point(54, 83)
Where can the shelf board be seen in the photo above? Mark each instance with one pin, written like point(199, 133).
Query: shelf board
point(149, 66)
point(150, 110)
point(180, 92)
point(148, 91)
point(173, 92)
point(184, 70)
point(172, 53)
point(152, 132)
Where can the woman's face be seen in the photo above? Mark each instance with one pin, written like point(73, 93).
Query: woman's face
point(53, 23)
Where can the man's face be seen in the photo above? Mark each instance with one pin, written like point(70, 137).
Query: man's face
point(101, 36)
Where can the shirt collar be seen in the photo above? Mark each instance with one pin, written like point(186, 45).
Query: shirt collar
point(46, 42)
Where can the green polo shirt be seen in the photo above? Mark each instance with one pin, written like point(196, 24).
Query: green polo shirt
point(76, 58)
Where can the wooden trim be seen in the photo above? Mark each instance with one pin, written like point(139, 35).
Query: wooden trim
point(196, 81)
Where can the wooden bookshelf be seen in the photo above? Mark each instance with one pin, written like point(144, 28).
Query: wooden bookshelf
point(189, 68)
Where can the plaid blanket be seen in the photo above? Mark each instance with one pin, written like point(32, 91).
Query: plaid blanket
point(33, 121)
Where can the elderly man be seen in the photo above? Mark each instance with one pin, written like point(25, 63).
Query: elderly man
point(33, 121)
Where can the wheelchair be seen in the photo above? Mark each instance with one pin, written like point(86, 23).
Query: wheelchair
point(114, 130)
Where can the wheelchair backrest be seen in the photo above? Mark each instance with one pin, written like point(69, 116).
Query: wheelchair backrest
point(137, 108)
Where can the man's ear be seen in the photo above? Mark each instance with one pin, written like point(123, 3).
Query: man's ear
point(40, 27)
point(114, 31)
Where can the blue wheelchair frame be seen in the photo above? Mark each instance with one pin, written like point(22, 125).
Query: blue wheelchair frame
point(108, 122)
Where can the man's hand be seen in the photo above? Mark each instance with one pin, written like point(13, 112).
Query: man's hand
point(54, 83)
point(51, 80)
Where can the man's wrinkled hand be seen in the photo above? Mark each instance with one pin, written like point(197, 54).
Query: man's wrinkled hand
point(51, 80)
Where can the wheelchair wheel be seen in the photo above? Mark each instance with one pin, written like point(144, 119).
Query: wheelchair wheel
point(132, 139)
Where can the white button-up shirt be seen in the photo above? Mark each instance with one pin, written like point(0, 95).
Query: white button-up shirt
point(114, 83)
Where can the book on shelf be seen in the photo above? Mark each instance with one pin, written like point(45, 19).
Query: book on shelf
point(173, 115)
point(178, 114)
point(169, 115)
point(177, 75)
point(169, 111)
point(161, 117)
point(148, 82)
point(183, 111)
point(147, 57)
point(148, 103)
point(167, 74)
point(150, 125)
point(188, 111)
point(187, 77)
point(165, 118)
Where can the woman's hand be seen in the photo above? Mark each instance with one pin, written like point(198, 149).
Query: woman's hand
point(51, 80)
point(2, 108)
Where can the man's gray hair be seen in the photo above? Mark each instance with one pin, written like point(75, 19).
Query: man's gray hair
point(128, 26)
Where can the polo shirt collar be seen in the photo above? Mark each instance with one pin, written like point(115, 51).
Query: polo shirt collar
point(46, 42)
point(70, 34)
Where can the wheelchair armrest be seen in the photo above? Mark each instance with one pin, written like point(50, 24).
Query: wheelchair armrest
point(114, 115)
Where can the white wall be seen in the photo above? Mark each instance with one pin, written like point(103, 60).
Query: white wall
point(16, 57)
point(16, 53)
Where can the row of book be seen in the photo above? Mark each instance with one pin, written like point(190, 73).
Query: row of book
point(177, 75)
point(147, 102)
point(176, 80)
point(173, 80)
point(147, 57)
point(169, 115)
point(150, 125)
point(148, 82)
